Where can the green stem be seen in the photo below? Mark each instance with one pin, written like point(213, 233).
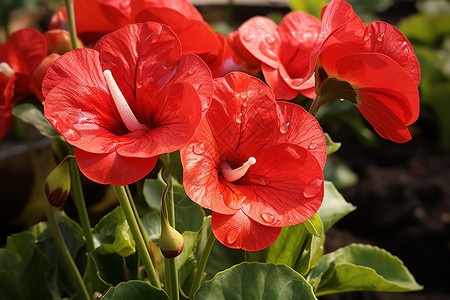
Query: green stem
point(141, 227)
point(168, 212)
point(71, 23)
point(134, 228)
point(201, 265)
point(76, 192)
point(69, 265)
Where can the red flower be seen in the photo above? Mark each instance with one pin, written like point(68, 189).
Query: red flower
point(257, 165)
point(281, 51)
point(133, 97)
point(99, 17)
point(19, 57)
point(372, 65)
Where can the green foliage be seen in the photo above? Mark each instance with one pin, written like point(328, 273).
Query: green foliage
point(136, 290)
point(360, 267)
point(256, 281)
point(32, 115)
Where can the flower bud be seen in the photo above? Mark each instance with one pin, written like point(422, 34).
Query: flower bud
point(57, 185)
point(58, 41)
point(38, 75)
point(171, 241)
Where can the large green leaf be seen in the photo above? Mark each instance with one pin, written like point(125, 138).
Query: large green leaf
point(249, 281)
point(32, 115)
point(136, 290)
point(361, 268)
point(426, 29)
point(334, 207)
point(312, 7)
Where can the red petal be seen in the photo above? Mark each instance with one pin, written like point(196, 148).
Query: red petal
point(260, 37)
point(24, 50)
point(294, 119)
point(242, 110)
point(377, 73)
point(384, 38)
point(288, 185)
point(142, 58)
point(193, 70)
point(196, 36)
point(285, 87)
point(175, 114)
point(111, 168)
point(6, 120)
point(239, 231)
point(200, 159)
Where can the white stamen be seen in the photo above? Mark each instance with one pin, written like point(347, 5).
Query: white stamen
point(6, 69)
point(128, 118)
point(234, 174)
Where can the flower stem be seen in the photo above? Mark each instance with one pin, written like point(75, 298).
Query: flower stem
point(202, 264)
point(69, 265)
point(71, 23)
point(167, 208)
point(77, 195)
point(134, 228)
point(141, 227)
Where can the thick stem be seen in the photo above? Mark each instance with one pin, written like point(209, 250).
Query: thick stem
point(69, 265)
point(71, 23)
point(76, 192)
point(201, 265)
point(134, 228)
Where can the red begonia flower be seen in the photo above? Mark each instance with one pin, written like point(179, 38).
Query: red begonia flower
point(372, 65)
point(283, 51)
point(99, 17)
point(133, 97)
point(19, 56)
point(255, 163)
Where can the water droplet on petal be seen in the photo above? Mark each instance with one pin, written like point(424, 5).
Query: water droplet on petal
point(284, 128)
point(124, 4)
point(239, 118)
point(191, 71)
point(267, 51)
point(199, 148)
point(248, 38)
point(313, 189)
point(312, 146)
point(268, 218)
point(380, 37)
point(232, 236)
point(72, 134)
point(270, 40)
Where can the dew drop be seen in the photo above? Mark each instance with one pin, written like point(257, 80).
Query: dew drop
point(268, 218)
point(248, 38)
point(284, 128)
point(380, 37)
point(267, 51)
point(313, 189)
point(232, 236)
point(72, 134)
point(312, 146)
point(199, 148)
point(270, 40)
point(191, 71)
point(124, 4)
point(239, 118)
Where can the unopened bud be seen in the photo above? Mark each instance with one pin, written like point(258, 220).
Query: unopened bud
point(58, 41)
point(38, 75)
point(57, 185)
point(171, 241)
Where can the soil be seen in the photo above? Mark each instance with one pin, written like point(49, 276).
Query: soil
point(403, 206)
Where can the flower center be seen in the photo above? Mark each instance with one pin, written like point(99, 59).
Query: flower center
point(128, 118)
point(6, 69)
point(234, 174)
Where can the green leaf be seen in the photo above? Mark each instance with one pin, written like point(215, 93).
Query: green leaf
point(136, 290)
point(30, 114)
point(23, 245)
point(10, 288)
point(249, 281)
point(124, 244)
point(311, 254)
point(152, 226)
point(314, 225)
point(111, 266)
point(334, 207)
point(361, 268)
point(338, 172)
point(425, 29)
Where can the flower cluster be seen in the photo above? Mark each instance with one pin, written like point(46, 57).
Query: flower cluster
point(155, 78)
